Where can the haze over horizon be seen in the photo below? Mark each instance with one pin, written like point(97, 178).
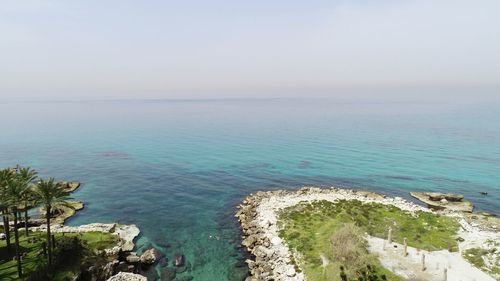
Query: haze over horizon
point(231, 49)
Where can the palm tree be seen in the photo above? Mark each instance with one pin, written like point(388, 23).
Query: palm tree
point(6, 175)
point(51, 195)
point(26, 176)
point(14, 193)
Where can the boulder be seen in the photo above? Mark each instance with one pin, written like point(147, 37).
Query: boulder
point(249, 241)
point(276, 241)
point(150, 256)
point(179, 260)
point(126, 276)
point(133, 259)
point(290, 272)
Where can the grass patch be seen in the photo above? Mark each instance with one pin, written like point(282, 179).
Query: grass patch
point(475, 257)
point(308, 230)
point(34, 260)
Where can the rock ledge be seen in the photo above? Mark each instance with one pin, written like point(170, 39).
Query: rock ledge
point(126, 276)
point(444, 201)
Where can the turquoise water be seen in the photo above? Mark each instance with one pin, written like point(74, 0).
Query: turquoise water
point(177, 169)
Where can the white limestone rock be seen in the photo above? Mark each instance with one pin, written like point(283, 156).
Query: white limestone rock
point(126, 276)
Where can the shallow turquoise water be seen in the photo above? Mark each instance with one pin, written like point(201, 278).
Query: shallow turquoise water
point(177, 169)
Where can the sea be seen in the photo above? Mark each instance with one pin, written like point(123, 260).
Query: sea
point(178, 168)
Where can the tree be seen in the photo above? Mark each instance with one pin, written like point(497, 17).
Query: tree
point(6, 175)
point(50, 194)
point(14, 192)
point(26, 177)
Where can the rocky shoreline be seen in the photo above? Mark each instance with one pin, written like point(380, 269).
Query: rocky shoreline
point(258, 217)
point(118, 255)
point(122, 263)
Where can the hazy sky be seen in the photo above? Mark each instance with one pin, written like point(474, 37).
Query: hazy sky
point(172, 49)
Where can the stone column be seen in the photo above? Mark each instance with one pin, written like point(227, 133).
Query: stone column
point(423, 262)
point(405, 248)
point(389, 236)
point(445, 274)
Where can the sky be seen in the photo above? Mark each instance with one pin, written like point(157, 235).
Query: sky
point(89, 49)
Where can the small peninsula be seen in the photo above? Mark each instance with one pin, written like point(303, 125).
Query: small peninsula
point(341, 234)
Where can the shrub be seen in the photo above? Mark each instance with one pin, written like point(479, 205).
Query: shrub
point(68, 249)
point(349, 248)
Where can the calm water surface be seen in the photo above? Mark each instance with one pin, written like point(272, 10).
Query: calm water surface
point(178, 168)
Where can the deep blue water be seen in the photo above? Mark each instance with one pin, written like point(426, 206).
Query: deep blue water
point(177, 169)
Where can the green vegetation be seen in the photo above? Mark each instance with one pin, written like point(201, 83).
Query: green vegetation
point(475, 257)
point(71, 251)
point(311, 229)
point(21, 190)
point(50, 194)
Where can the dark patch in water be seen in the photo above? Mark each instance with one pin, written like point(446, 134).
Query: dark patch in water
point(485, 159)
point(115, 154)
point(405, 178)
point(253, 166)
point(304, 164)
point(442, 179)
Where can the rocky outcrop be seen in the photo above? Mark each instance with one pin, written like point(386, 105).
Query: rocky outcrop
point(70, 186)
point(444, 201)
point(150, 256)
point(120, 256)
point(62, 213)
point(127, 233)
point(126, 276)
